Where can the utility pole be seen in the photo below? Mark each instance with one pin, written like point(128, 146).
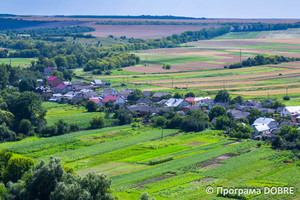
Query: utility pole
point(172, 82)
point(240, 55)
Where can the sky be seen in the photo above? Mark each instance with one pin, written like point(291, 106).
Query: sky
point(188, 8)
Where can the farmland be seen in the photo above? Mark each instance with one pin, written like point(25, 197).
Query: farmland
point(199, 67)
point(196, 161)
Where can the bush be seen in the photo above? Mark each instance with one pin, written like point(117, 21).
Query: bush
point(62, 127)
point(91, 106)
point(286, 98)
point(49, 130)
point(97, 122)
point(74, 127)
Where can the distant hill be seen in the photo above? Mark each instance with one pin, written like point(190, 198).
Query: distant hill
point(130, 17)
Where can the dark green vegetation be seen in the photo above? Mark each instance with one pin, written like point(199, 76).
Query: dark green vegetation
point(50, 181)
point(262, 60)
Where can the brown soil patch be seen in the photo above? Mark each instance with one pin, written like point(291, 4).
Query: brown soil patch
point(155, 179)
point(201, 181)
point(233, 143)
point(194, 144)
point(204, 65)
point(214, 165)
point(223, 157)
point(141, 31)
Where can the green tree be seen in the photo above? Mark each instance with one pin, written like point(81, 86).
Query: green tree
point(238, 100)
point(91, 106)
point(62, 127)
point(195, 121)
point(16, 167)
point(177, 95)
point(160, 122)
point(25, 126)
point(189, 94)
point(6, 134)
point(223, 122)
point(27, 84)
point(135, 95)
point(3, 76)
point(97, 122)
point(7, 118)
point(217, 111)
point(223, 96)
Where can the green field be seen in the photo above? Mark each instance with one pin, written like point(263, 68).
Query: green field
point(70, 114)
point(196, 161)
point(22, 62)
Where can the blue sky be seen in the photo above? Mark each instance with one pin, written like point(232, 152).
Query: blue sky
point(192, 8)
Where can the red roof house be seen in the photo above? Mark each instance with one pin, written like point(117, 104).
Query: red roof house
point(54, 81)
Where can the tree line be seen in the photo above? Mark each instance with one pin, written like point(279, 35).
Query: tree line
point(262, 60)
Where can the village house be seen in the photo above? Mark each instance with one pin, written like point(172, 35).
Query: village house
point(54, 81)
point(43, 91)
point(70, 95)
point(98, 83)
point(142, 110)
point(109, 91)
point(194, 101)
point(62, 88)
point(55, 97)
point(237, 114)
point(97, 100)
point(49, 70)
point(271, 123)
point(144, 101)
point(156, 96)
point(85, 94)
point(126, 92)
point(114, 98)
point(290, 110)
point(253, 104)
point(176, 103)
point(146, 93)
point(261, 129)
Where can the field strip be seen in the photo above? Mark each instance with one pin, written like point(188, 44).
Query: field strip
point(207, 84)
point(265, 92)
point(253, 87)
point(233, 77)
